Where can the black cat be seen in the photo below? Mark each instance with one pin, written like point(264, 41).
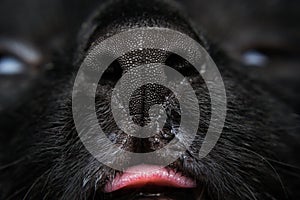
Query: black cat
point(42, 156)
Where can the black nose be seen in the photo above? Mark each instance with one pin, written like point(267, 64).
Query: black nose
point(151, 14)
point(141, 101)
point(147, 95)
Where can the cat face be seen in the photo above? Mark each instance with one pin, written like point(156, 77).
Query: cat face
point(43, 156)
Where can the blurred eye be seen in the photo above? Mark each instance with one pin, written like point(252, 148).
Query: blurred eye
point(255, 58)
point(261, 56)
point(19, 66)
point(11, 65)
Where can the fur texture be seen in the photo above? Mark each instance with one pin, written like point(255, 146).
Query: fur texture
point(42, 157)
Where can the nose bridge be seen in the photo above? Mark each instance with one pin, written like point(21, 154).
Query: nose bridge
point(143, 98)
point(149, 94)
point(142, 56)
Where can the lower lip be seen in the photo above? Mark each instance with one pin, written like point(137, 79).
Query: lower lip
point(141, 175)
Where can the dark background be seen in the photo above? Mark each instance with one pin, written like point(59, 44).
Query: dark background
point(268, 28)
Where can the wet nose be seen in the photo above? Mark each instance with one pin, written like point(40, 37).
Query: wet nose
point(142, 101)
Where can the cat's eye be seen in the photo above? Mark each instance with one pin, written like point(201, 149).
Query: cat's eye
point(19, 66)
point(262, 56)
point(255, 58)
point(10, 65)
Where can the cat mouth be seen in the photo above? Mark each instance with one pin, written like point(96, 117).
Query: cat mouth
point(152, 182)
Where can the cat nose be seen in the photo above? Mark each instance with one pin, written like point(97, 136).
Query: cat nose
point(148, 103)
point(148, 95)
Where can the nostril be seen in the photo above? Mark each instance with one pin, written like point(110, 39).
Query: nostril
point(181, 65)
point(112, 73)
point(141, 100)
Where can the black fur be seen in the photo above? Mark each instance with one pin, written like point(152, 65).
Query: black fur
point(42, 157)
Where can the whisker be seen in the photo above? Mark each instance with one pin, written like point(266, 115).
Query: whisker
point(12, 163)
point(15, 193)
point(272, 167)
point(250, 191)
point(284, 164)
point(33, 184)
point(201, 194)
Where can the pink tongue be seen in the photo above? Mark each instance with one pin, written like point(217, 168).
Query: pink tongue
point(141, 175)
